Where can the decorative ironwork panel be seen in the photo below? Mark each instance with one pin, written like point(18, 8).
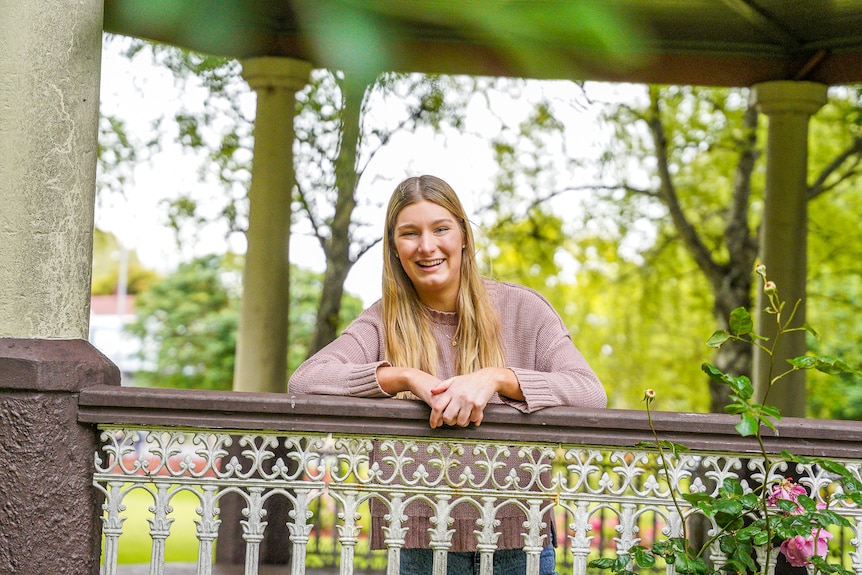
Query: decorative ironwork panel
point(364, 479)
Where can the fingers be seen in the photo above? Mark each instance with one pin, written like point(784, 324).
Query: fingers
point(459, 401)
point(454, 413)
point(442, 386)
point(477, 416)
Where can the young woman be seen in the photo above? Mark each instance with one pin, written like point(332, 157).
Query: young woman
point(457, 341)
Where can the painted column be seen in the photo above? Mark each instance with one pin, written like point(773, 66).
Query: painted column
point(49, 98)
point(261, 354)
point(788, 106)
point(50, 56)
point(261, 357)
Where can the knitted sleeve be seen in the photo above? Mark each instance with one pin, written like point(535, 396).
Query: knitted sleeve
point(539, 350)
point(348, 365)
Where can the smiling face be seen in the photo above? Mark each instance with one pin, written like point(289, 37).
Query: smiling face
point(428, 241)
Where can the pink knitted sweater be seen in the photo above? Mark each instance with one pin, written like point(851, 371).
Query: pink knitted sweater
point(537, 346)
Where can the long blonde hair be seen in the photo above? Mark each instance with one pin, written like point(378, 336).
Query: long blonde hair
point(409, 337)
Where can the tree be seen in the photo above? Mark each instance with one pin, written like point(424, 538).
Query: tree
point(697, 151)
point(669, 230)
point(619, 312)
point(187, 323)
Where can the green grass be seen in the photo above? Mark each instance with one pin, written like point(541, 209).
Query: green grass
point(135, 545)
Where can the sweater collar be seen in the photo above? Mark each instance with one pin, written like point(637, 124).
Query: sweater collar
point(442, 317)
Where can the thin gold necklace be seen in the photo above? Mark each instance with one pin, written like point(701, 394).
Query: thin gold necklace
point(453, 340)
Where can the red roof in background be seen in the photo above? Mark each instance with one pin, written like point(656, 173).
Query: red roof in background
point(107, 304)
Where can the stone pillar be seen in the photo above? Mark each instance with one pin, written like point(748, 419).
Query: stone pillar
point(50, 55)
point(261, 356)
point(49, 109)
point(788, 106)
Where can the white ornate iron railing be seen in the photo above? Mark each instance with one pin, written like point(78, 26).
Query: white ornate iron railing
point(579, 464)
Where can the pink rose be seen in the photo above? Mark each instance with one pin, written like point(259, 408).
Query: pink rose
point(786, 490)
point(799, 550)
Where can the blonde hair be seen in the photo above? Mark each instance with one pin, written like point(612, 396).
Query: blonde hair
point(409, 337)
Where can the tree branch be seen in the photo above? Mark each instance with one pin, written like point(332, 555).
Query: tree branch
point(853, 151)
point(302, 195)
point(668, 196)
point(741, 247)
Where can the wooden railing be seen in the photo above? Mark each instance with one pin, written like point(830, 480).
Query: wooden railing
point(339, 456)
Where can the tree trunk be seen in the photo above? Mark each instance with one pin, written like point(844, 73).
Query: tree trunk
point(730, 282)
point(337, 245)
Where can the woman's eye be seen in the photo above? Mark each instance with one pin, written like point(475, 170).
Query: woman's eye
point(441, 230)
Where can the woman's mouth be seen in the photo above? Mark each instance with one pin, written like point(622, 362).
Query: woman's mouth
point(429, 263)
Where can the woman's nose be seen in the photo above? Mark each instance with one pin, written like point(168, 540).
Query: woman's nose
point(426, 243)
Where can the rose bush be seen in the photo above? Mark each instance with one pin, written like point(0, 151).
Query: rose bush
point(781, 513)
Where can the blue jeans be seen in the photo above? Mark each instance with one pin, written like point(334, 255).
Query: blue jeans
point(506, 562)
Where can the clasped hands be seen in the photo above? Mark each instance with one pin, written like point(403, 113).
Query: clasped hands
point(461, 400)
point(457, 401)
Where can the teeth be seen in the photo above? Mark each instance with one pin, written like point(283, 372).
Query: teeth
point(429, 264)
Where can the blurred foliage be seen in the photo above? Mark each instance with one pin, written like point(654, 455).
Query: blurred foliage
point(188, 322)
point(638, 302)
point(706, 163)
point(639, 306)
point(834, 303)
point(107, 254)
point(119, 152)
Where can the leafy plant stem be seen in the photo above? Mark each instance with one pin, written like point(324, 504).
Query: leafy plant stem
point(663, 462)
point(775, 379)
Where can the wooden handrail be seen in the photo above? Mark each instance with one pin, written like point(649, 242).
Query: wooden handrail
point(103, 404)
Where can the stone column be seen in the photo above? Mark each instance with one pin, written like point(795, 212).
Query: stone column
point(50, 55)
point(49, 98)
point(788, 106)
point(261, 356)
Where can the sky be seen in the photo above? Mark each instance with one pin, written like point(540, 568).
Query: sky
point(139, 93)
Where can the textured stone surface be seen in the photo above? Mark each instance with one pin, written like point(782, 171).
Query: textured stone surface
point(48, 509)
point(49, 104)
point(43, 365)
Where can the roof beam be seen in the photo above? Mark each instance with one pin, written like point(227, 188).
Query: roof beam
point(757, 17)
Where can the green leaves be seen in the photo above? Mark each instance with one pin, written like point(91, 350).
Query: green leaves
point(644, 558)
point(740, 386)
point(752, 415)
point(747, 426)
point(826, 364)
point(740, 321)
point(618, 564)
point(718, 338)
point(741, 329)
point(674, 552)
